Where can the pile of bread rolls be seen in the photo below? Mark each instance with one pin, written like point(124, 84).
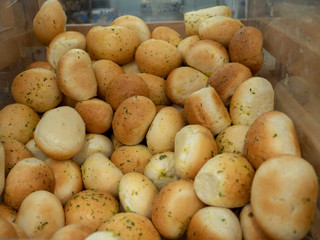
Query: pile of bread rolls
point(128, 133)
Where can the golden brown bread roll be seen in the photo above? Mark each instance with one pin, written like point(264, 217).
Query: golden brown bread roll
point(246, 46)
point(205, 107)
point(132, 119)
point(227, 78)
point(49, 21)
point(123, 87)
point(2, 169)
point(167, 34)
point(7, 231)
point(76, 77)
point(40, 64)
point(72, 231)
point(271, 134)
point(7, 213)
point(283, 197)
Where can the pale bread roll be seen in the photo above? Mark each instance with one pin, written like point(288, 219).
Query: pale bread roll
point(194, 145)
point(131, 158)
point(185, 44)
point(162, 131)
point(100, 174)
point(15, 151)
point(283, 197)
point(37, 88)
point(131, 67)
point(40, 64)
point(252, 98)
point(132, 119)
point(160, 169)
point(214, 223)
point(156, 88)
point(249, 225)
point(36, 152)
point(170, 215)
point(271, 134)
point(193, 19)
point(158, 57)
point(124, 86)
point(72, 231)
point(62, 43)
point(7, 213)
point(219, 28)
point(94, 143)
point(115, 43)
point(40, 215)
point(96, 114)
point(90, 208)
point(130, 226)
point(167, 34)
point(205, 107)
point(105, 235)
point(134, 23)
point(116, 143)
point(206, 56)
point(227, 78)
point(60, 133)
point(67, 178)
point(105, 71)
point(137, 193)
point(225, 181)
point(76, 77)
point(7, 231)
point(27, 176)
point(49, 21)
point(183, 81)
point(232, 139)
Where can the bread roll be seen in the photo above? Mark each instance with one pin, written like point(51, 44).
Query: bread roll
point(123, 87)
point(214, 223)
point(194, 145)
point(115, 43)
point(40, 215)
point(193, 19)
point(156, 88)
point(40, 64)
point(36, 152)
point(132, 119)
point(67, 178)
point(249, 225)
point(219, 28)
point(227, 78)
point(252, 98)
point(131, 158)
point(60, 133)
point(283, 197)
point(231, 139)
point(131, 67)
point(272, 134)
point(206, 56)
point(18, 121)
point(62, 43)
point(2, 168)
point(105, 71)
point(183, 81)
point(72, 231)
point(167, 34)
point(49, 21)
point(27, 176)
point(160, 169)
point(162, 131)
point(7, 213)
point(14, 152)
point(7, 231)
point(185, 44)
point(205, 107)
point(100, 174)
point(246, 46)
point(76, 77)
point(96, 114)
point(137, 193)
point(20, 232)
point(130, 226)
point(170, 215)
point(225, 181)
point(158, 57)
point(105, 235)
point(134, 23)
point(90, 208)
point(94, 143)
point(36, 88)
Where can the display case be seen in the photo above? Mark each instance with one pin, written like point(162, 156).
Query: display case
point(291, 60)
